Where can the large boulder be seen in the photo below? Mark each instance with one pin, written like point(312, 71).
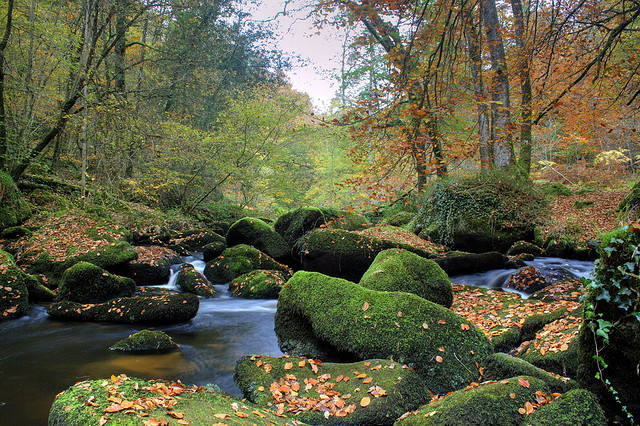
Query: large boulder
point(257, 233)
point(152, 266)
point(296, 223)
point(372, 392)
point(400, 270)
point(146, 341)
point(576, 407)
point(258, 284)
point(14, 296)
point(609, 340)
point(13, 208)
point(191, 281)
point(85, 282)
point(334, 319)
point(239, 260)
point(126, 400)
point(527, 280)
point(189, 242)
point(152, 309)
point(471, 263)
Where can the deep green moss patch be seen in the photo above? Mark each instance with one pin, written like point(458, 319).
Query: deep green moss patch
point(257, 233)
point(17, 289)
point(496, 403)
point(360, 323)
point(146, 341)
point(153, 309)
point(239, 260)
point(258, 284)
point(296, 223)
point(372, 392)
point(576, 407)
point(191, 281)
point(13, 208)
point(500, 366)
point(521, 247)
point(400, 270)
point(129, 401)
point(87, 283)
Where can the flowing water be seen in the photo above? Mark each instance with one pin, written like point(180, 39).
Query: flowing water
point(40, 357)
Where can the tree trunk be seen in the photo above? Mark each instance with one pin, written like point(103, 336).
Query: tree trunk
point(472, 36)
point(501, 132)
point(4, 144)
point(524, 160)
point(120, 47)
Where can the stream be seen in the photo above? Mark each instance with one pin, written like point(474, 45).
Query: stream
point(40, 357)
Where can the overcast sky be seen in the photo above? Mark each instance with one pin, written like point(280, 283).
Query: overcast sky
point(319, 49)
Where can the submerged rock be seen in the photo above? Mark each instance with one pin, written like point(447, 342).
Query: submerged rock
point(372, 392)
point(401, 270)
point(146, 341)
point(334, 319)
point(156, 309)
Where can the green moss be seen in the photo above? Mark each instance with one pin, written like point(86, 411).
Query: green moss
point(296, 223)
point(213, 250)
point(13, 208)
point(85, 282)
point(399, 218)
point(15, 232)
point(360, 323)
point(488, 404)
point(554, 189)
point(239, 260)
point(631, 202)
point(520, 247)
point(257, 233)
point(258, 284)
point(146, 341)
point(199, 406)
point(14, 296)
point(399, 389)
point(576, 407)
point(153, 309)
point(191, 281)
point(508, 340)
point(501, 366)
point(400, 270)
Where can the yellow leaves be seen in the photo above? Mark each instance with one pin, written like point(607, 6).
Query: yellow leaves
point(527, 409)
point(365, 401)
point(288, 366)
point(222, 416)
point(365, 306)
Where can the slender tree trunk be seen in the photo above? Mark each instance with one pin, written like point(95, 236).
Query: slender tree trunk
point(120, 47)
point(501, 133)
point(4, 144)
point(526, 141)
point(474, 50)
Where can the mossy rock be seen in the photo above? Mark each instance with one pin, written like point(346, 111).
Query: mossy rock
point(349, 221)
point(191, 281)
point(527, 280)
point(15, 232)
point(153, 309)
point(257, 233)
point(465, 263)
point(520, 247)
point(487, 404)
point(193, 241)
point(14, 296)
point(85, 282)
point(331, 318)
point(239, 260)
point(500, 366)
point(372, 392)
point(296, 223)
point(400, 270)
point(146, 341)
point(576, 407)
point(565, 290)
point(153, 265)
point(554, 189)
point(196, 406)
point(258, 284)
point(631, 203)
point(13, 208)
point(213, 250)
point(38, 292)
point(399, 218)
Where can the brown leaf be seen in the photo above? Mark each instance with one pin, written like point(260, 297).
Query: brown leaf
point(365, 306)
point(439, 359)
point(523, 382)
point(365, 401)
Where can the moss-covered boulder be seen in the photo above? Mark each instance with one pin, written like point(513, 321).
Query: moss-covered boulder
point(85, 282)
point(576, 407)
point(296, 223)
point(399, 218)
point(193, 241)
point(156, 402)
point(239, 260)
point(152, 309)
point(146, 341)
point(372, 392)
point(13, 208)
point(527, 280)
point(499, 403)
point(258, 284)
point(500, 366)
point(152, 266)
point(256, 232)
point(489, 211)
point(554, 189)
point(400, 270)
point(14, 296)
point(611, 329)
point(331, 318)
point(191, 281)
point(213, 250)
point(522, 247)
point(461, 264)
